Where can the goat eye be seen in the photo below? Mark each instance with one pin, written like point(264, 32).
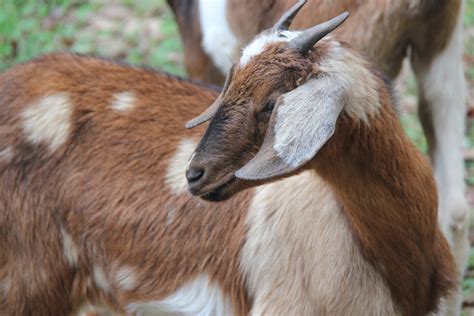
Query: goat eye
point(269, 106)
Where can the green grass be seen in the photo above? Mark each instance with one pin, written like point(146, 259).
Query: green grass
point(22, 34)
point(29, 28)
point(469, 13)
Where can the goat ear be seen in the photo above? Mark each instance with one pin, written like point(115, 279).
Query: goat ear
point(206, 115)
point(303, 120)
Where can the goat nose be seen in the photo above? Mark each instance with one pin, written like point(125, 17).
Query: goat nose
point(193, 174)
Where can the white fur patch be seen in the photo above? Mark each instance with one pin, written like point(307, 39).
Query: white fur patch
point(218, 41)
point(198, 297)
point(126, 278)
point(6, 154)
point(170, 213)
point(123, 101)
point(347, 69)
point(5, 287)
point(90, 309)
point(175, 176)
point(414, 4)
point(48, 120)
point(69, 249)
point(300, 257)
point(101, 279)
point(258, 45)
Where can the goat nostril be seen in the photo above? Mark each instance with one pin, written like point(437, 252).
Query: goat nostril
point(194, 174)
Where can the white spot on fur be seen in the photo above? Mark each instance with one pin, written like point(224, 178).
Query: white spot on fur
point(69, 249)
point(414, 4)
point(101, 279)
point(123, 101)
point(176, 173)
point(198, 297)
point(6, 154)
point(258, 45)
point(170, 213)
point(90, 309)
point(48, 120)
point(5, 286)
point(218, 41)
point(300, 257)
point(347, 69)
point(126, 278)
point(189, 160)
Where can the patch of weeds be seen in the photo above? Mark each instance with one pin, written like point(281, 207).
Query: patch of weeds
point(468, 283)
point(413, 128)
point(469, 13)
point(470, 133)
point(29, 28)
point(410, 85)
point(470, 173)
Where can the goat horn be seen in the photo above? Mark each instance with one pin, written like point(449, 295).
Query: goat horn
point(306, 40)
point(212, 109)
point(285, 21)
point(206, 115)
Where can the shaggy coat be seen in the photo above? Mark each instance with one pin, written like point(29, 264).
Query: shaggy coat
point(369, 171)
point(428, 32)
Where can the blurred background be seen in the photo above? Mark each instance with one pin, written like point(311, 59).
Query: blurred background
point(144, 32)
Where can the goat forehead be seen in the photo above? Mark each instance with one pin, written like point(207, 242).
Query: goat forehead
point(258, 45)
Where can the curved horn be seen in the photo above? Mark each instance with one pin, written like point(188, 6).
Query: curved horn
point(285, 21)
point(206, 115)
point(306, 40)
point(212, 109)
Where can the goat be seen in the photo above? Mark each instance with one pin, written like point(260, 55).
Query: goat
point(213, 33)
point(351, 228)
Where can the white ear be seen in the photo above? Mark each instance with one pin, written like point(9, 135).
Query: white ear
point(304, 119)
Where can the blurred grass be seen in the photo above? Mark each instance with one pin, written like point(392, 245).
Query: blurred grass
point(21, 34)
point(29, 28)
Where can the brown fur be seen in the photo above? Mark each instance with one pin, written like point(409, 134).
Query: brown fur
point(105, 187)
point(384, 183)
point(388, 191)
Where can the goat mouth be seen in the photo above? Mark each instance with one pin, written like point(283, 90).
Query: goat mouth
point(220, 193)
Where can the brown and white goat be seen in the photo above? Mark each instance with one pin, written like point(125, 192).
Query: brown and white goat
point(352, 227)
point(214, 32)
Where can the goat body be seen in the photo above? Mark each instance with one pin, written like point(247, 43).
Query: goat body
point(430, 33)
point(373, 202)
